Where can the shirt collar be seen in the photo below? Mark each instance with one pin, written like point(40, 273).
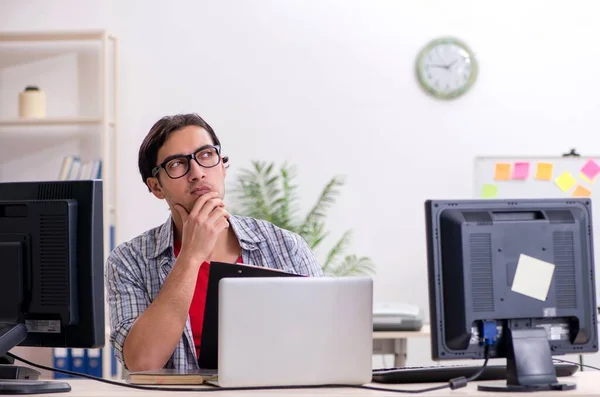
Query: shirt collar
point(164, 238)
point(245, 231)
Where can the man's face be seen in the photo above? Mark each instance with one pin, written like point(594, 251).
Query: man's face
point(198, 181)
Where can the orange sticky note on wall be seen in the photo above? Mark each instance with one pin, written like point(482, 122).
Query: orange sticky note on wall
point(581, 191)
point(544, 171)
point(502, 172)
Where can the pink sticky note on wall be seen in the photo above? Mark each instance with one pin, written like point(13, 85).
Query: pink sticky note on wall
point(520, 170)
point(590, 169)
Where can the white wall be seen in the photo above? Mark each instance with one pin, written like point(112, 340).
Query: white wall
point(329, 86)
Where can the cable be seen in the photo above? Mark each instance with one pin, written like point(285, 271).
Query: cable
point(573, 362)
point(485, 362)
point(452, 384)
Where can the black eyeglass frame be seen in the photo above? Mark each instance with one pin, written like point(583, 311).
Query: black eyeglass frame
point(188, 157)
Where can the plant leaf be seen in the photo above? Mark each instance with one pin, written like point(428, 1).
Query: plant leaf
point(353, 265)
point(285, 207)
point(315, 235)
point(326, 198)
point(263, 193)
point(338, 249)
point(255, 191)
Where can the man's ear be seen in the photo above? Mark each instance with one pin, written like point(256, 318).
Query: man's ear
point(154, 186)
point(225, 163)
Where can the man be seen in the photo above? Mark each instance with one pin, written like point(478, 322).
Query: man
point(156, 283)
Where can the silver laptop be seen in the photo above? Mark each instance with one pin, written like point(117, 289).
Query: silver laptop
point(282, 331)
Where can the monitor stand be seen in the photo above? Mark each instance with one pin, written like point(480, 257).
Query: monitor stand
point(529, 365)
point(10, 336)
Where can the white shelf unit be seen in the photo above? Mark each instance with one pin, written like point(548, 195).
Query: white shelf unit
point(54, 121)
point(78, 72)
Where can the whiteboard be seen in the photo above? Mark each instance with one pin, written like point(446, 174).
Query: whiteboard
point(542, 177)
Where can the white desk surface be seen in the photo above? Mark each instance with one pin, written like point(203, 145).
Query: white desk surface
point(425, 332)
point(588, 384)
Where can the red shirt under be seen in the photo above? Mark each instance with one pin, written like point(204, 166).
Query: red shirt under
point(199, 299)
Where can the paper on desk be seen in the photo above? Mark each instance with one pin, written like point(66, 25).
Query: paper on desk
point(533, 277)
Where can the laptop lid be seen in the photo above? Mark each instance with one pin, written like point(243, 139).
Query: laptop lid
point(208, 358)
point(295, 331)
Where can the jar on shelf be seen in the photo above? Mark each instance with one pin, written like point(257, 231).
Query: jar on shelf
point(32, 103)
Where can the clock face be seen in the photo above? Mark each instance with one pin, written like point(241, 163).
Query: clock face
point(446, 68)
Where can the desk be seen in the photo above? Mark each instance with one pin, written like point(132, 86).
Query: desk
point(588, 384)
point(395, 342)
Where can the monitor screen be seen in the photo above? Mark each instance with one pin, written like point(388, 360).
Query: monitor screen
point(51, 245)
point(511, 279)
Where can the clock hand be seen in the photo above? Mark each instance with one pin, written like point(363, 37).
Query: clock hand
point(451, 63)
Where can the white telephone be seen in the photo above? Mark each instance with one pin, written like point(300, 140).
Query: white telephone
point(396, 316)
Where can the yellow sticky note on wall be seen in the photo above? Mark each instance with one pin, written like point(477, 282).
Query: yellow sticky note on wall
point(502, 172)
point(585, 178)
point(544, 171)
point(565, 181)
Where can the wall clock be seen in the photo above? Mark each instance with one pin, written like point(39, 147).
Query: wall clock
point(446, 68)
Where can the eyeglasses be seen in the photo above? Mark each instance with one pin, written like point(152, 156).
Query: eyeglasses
point(179, 166)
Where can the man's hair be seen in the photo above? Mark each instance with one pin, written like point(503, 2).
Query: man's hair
point(160, 132)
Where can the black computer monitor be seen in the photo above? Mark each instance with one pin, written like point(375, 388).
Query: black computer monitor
point(51, 282)
point(512, 279)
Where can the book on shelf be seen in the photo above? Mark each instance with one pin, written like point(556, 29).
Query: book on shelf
point(74, 168)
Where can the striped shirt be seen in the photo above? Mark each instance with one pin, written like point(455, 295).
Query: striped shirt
point(137, 269)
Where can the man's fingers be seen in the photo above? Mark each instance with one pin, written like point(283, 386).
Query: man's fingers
point(218, 214)
point(201, 201)
point(210, 206)
point(222, 224)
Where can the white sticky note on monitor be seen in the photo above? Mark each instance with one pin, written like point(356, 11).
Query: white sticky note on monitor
point(533, 277)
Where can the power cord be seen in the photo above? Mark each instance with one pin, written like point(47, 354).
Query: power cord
point(560, 360)
point(453, 384)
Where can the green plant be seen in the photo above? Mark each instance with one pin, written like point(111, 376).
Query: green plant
point(263, 192)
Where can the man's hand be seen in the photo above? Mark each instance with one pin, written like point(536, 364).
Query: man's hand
point(202, 226)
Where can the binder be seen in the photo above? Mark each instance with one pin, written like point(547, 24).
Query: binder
point(94, 362)
point(78, 361)
point(113, 362)
point(61, 360)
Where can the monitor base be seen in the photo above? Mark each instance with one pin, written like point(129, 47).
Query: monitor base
point(9, 371)
point(9, 386)
point(529, 366)
point(523, 388)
